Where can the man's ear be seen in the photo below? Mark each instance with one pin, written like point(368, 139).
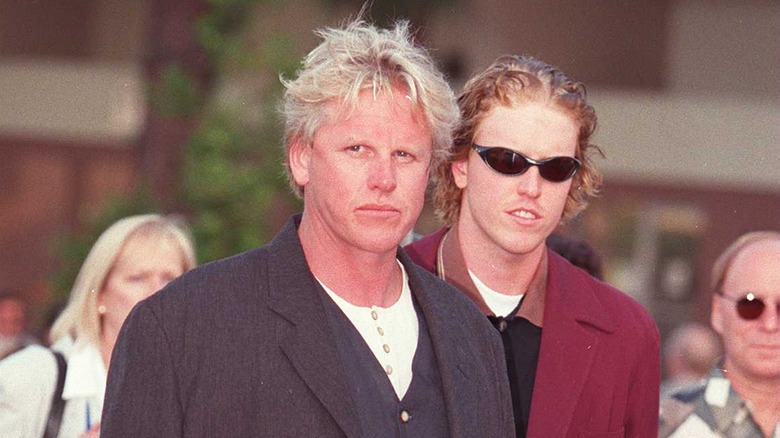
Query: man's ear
point(716, 317)
point(299, 157)
point(460, 172)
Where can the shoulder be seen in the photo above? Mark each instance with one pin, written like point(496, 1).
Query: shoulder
point(629, 326)
point(198, 301)
point(30, 372)
point(624, 308)
point(678, 407)
point(27, 382)
point(423, 250)
point(243, 267)
point(224, 278)
point(618, 305)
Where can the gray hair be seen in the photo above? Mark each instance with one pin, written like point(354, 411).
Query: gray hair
point(361, 57)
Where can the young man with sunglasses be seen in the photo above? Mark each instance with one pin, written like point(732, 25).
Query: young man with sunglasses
point(583, 358)
point(741, 396)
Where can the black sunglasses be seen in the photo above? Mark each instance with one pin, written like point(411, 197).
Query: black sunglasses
point(509, 162)
point(749, 307)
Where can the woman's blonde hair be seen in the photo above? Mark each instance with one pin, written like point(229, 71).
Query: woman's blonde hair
point(362, 57)
point(79, 319)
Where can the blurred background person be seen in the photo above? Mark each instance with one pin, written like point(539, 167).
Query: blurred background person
point(13, 324)
point(688, 355)
point(48, 318)
point(131, 260)
point(741, 396)
point(578, 252)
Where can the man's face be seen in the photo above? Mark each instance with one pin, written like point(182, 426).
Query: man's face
point(752, 348)
point(12, 317)
point(515, 213)
point(364, 176)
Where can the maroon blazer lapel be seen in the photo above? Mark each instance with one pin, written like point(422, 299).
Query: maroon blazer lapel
point(568, 349)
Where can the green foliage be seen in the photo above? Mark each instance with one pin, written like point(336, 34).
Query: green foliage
point(232, 177)
point(233, 183)
point(175, 94)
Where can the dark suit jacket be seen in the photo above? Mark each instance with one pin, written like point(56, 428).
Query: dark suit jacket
point(242, 347)
point(599, 369)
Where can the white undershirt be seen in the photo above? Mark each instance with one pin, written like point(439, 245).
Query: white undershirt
point(498, 303)
point(391, 333)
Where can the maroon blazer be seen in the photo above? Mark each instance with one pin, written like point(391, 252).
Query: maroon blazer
point(599, 367)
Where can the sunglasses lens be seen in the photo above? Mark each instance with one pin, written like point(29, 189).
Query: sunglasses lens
point(509, 162)
point(750, 309)
point(559, 169)
point(506, 161)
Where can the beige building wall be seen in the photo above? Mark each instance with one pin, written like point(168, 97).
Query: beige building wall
point(686, 90)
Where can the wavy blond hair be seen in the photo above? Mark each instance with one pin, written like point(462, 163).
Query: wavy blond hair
point(362, 57)
point(517, 80)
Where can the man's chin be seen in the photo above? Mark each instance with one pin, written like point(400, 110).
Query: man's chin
point(380, 244)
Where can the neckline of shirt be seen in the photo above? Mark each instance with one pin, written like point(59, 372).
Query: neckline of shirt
point(498, 303)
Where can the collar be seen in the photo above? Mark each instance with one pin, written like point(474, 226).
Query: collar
point(86, 375)
point(728, 407)
point(402, 304)
point(451, 267)
point(391, 333)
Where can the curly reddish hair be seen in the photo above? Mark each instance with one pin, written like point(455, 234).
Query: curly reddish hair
point(511, 81)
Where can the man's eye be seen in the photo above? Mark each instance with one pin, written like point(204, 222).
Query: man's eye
point(404, 155)
point(356, 148)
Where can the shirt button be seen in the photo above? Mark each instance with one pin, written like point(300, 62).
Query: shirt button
point(381, 332)
point(374, 315)
point(405, 416)
point(386, 348)
point(389, 370)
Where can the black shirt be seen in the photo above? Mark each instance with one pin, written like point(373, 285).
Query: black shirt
point(522, 340)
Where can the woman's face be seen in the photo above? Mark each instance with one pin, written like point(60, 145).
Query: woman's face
point(144, 266)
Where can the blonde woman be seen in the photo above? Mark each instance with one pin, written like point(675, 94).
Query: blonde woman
point(131, 260)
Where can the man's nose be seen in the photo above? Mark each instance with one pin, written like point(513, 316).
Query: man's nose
point(770, 319)
point(530, 183)
point(383, 175)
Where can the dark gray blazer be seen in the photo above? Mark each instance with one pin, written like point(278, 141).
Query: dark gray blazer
point(242, 347)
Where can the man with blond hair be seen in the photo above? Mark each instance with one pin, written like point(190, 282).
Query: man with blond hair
point(330, 329)
point(582, 356)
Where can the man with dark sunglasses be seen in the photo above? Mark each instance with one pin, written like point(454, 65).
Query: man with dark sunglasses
point(583, 358)
point(741, 396)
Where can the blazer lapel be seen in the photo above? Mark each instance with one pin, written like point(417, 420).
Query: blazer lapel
point(568, 349)
point(304, 334)
point(456, 364)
